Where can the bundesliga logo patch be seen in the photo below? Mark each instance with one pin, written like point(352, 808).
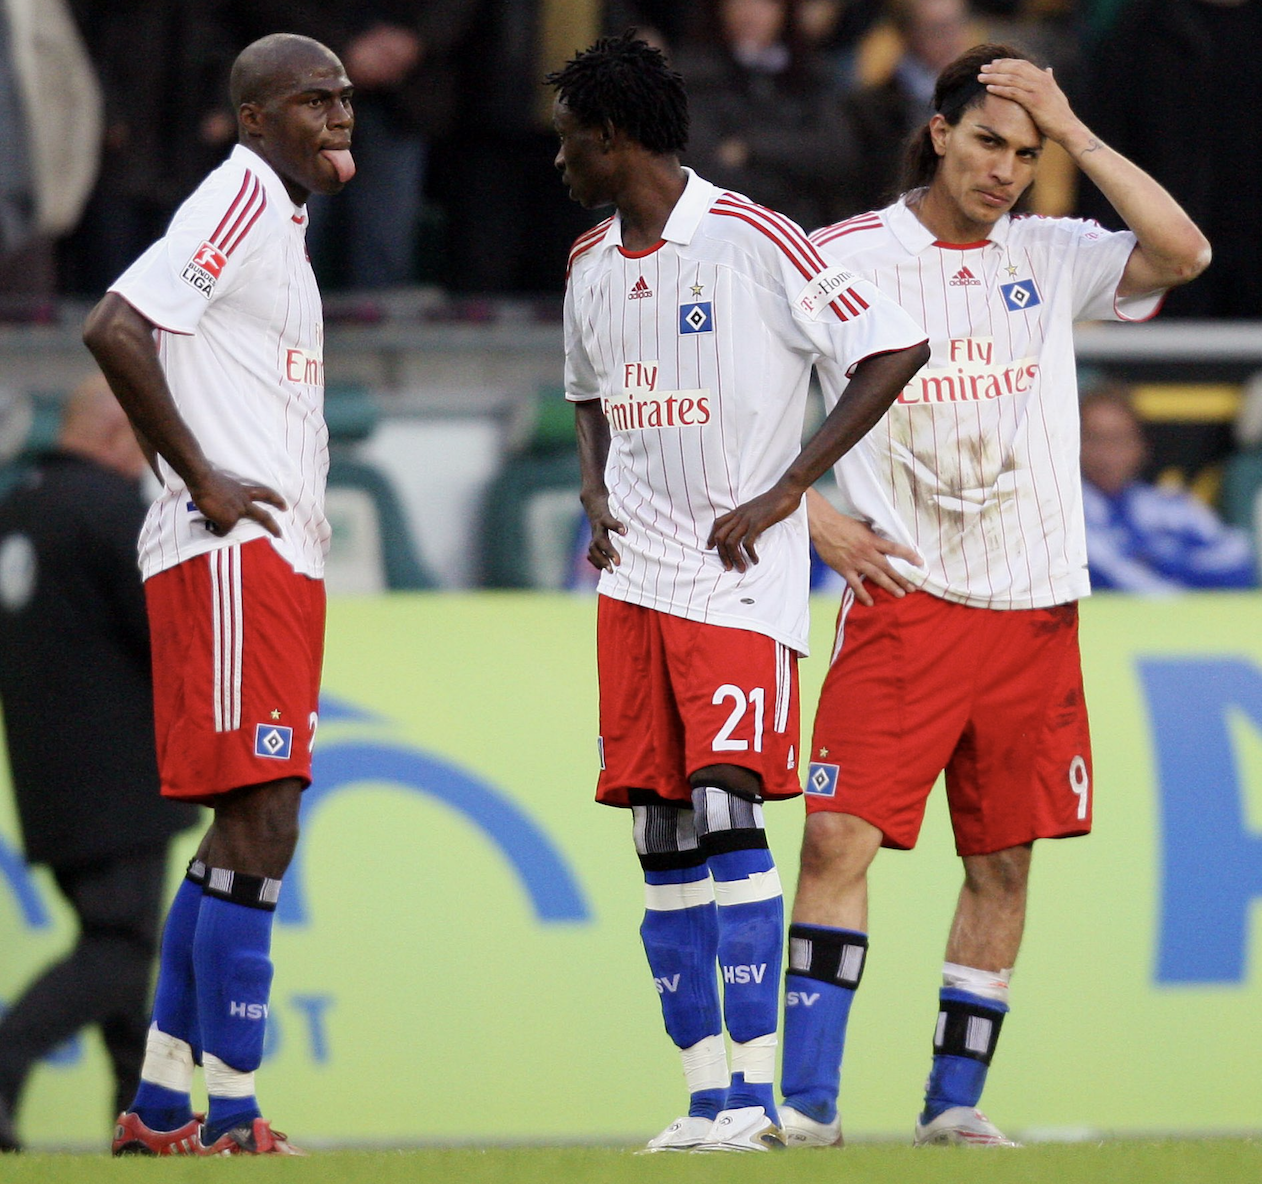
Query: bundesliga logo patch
point(205, 268)
point(696, 318)
point(273, 740)
point(1020, 295)
point(821, 780)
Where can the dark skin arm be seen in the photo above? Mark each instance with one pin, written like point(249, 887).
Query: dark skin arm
point(121, 340)
point(593, 451)
point(873, 387)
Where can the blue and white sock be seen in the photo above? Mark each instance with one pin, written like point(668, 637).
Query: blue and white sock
point(825, 968)
point(971, 1008)
point(751, 938)
point(234, 977)
point(680, 933)
point(173, 1045)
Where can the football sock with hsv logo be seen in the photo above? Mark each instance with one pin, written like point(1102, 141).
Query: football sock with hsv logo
point(751, 937)
point(825, 967)
point(234, 976)
point(971, 1007)
point(173, 1045)
point(681, 937)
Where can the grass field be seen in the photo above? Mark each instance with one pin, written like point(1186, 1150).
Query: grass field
point(1186, 1161)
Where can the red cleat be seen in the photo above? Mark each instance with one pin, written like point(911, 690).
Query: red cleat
point(256, 1139)
point(132, 1137)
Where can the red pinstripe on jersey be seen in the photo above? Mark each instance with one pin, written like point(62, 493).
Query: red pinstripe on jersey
point(585, 242)
point(799, 249)
point(230, 231)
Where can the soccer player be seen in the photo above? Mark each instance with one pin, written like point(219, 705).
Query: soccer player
point(966, 659)
point(692, 318)
point(212, 340)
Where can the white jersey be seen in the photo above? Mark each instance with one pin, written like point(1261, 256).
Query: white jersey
point(701, 351)
point(241, 341)
point(976, 464)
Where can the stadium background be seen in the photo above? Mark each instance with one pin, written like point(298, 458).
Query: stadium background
point(460, 925)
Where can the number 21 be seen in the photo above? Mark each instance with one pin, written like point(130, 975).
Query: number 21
point(723, 742)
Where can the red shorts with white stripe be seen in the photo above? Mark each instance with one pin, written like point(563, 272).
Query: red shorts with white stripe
point(679, 695)
point(921, 684)
point(238, 641)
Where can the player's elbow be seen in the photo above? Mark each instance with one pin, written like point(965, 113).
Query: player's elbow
point(1193, 259)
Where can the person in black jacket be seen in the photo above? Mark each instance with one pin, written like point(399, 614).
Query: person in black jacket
point(76, 687)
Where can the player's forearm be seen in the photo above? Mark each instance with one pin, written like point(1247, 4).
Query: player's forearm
point(592, 430)
point(1174, 249)
point(121, 340)
point(874, 386)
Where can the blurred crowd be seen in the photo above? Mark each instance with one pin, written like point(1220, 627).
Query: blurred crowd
point(116, 108)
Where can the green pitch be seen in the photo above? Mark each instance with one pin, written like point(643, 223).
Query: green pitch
point(1188, 1161)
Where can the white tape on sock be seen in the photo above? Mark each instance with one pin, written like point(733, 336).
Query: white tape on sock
point(666, 898)
point(705, 1064)
point(168, 1061)
point(222, 1081)
point(754, 887)
point(989, 984)
point(756, 1058)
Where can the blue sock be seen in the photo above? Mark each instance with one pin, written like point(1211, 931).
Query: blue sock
point(175, 1003)
point(751, 940)
point(825, 966)
point(234, 976)
point(963, 1045)
point(681, 945)
point(162, 1109)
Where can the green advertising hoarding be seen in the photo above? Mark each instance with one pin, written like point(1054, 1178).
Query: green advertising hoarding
point(457, 952)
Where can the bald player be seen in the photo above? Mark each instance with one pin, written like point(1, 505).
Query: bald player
point(231, 404)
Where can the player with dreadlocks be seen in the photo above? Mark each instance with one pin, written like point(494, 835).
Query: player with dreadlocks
point(692, 320)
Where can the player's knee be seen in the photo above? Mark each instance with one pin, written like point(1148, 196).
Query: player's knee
point(665, 837)
point(838, 847)
point(1004, 874)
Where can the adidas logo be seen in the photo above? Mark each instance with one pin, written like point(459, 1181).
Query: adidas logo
point(639, 290)
point(964, 279)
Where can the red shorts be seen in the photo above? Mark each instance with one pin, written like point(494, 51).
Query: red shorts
point(994, 697)
point(238, 640)
point(678, 695)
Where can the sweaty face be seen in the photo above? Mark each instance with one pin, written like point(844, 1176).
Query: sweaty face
point(987, 162)
point(583, 158)
point(304, 131)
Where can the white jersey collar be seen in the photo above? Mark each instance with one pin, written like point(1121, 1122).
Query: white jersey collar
point(697, 198)
point(915, 236)
point(272, 183)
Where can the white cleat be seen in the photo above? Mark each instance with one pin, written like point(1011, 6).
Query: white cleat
point(801, 1131)
point(961, 1126)
point(682, 1135)
point(745, 1129)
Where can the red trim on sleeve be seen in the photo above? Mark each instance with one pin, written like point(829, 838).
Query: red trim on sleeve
point(876, 353)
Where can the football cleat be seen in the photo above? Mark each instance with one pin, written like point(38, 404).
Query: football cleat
point(256, 1139)
point(682, 1135)
point(745, 1129)
point(961, 1126)
point(132, 1137)
point(802, 1131)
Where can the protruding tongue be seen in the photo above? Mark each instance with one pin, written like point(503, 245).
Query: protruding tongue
point(342, 161)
